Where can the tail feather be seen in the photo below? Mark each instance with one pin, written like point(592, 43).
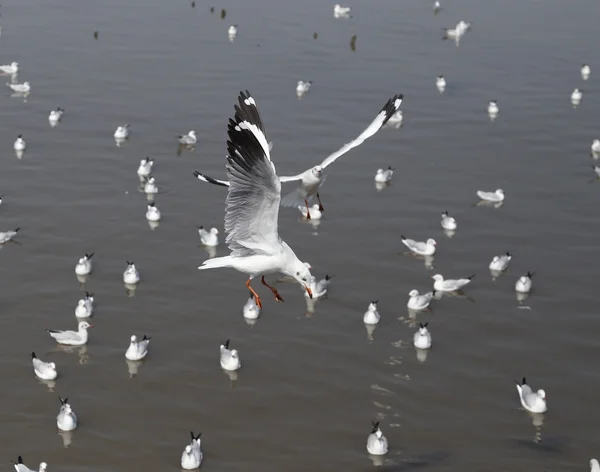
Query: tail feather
point(216, 262)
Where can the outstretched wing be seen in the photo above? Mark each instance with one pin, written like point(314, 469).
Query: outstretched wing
point(252, 205)
point(210, 180)
point(388, 110)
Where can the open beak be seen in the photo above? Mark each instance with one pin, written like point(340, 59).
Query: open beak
point(91, 326)
point(308, 290)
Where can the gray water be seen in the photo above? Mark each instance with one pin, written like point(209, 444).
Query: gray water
point(312, 380)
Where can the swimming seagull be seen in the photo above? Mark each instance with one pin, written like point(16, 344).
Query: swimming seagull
point(7, 236)
point(448, 223)
point(25, 87)
point(419, 302)
point(341, 11)
point(371, 316)
point(252, 205)
point(594, 465)
point(85, 306)
point(440, 83)
point(596, 170)
point(44, 370)
point(585, 71)
point(232, 32)
point(188, 139)
point(493, 108)
point(20, 143)
point(422, 338)
point(384, 176)
point(596, 146)
point(150, 186)
point(535, 402)
point(122, 132)
point(192, 455)
point(576, 97)
point(436, 6)
point(66, 419)
point(458, 31)
point(56, 115)
point(311, 180)
point(230, 359)
point(251, 310)
point(20, 467)
point(209, 238)
point(449, 285)
point(318, 287)
point(14, 68)
point(145, 168)
point(418, 247)
point(500, 263)
point(131, 276)
point(313, 212)
point(524, 283)
point(72, 338)
point(84, 265)
point(137, 350)
point(496, 196)
point(303, 87)
point(377, 444)
point(152, 213)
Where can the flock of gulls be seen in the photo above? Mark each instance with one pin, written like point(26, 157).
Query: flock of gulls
point(251, 223)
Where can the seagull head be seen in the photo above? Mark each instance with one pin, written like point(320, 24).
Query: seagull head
point(133, 338)
point(542, 394)
point(423, 329)
point(431, 242)
point(302, 274)
point(438, 277)
point(214, 231)
point(188, 449)
point(52, 365)
point(317, 171)
point(413, 293)
point(84, 325)
point(43, 466)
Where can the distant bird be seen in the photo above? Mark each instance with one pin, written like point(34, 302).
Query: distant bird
point(137, 350)
point(131, 275)
point(84, 265)
point(209, 238)
point(150, 186)
point(596, 170)
point(122, 132)
point(95, 34)
point(418, 247)
point(56, 115)
point(251, 310)
point(384, 176)
point(458, 31)
point(20, 144)
point(535, 402)
point(232, 31)
point(585, 71)
point(524, 283)
point(188, 139)
point(44, 370)
point(6, 236)
point(85, 306)
point(596, 146)
point(314, 212)
point(152, 213)
point(448, 223)
point(72, 338)
point(576, 97)
point(25, 87)
point(339, 10)
point(449, 285)
point(193, 4)
point(230, 359)
point(493, 108)
point(10, 69)
point(422, 338)
point(303, 87)
point(500, 263)
point(371, 316)
point(353, 43)
point(440, 83)
point(315, 35)
point(436, 6)
point(192, 455)
point(419, 302)
point(212, 10)
point(145, 168)
point(377, 444)
point(66, 419)
point(496, 196)
point(20, 467)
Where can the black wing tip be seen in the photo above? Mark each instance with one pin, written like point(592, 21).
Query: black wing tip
point(530, 274)
point(524, 382)
point(402, 237)
point(225, 343)
point(33, 356)
point(471, 277)
point(146, 338)
point(19, 460)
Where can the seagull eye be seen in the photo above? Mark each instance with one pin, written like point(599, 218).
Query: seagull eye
point(297, 273)
point(303, 279)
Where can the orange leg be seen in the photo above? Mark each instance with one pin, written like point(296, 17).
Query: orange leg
point(275, 292)
point(256, 297)
point(320, 204)
point(307, 209)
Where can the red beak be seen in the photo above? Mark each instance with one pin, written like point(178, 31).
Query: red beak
point(308, 290)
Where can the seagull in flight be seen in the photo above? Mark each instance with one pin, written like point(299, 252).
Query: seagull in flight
point(311, 179)
point(252, 206)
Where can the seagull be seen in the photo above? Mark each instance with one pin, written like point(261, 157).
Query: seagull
point(251, 310)
point(66, 419)
point(232, 32)
point(576, 96)
point(384, 176)
point(371, 316)
point(339, 10)
point(596, 146)
point(496, 196)
point(535, 402)
point(152, 213)
point(209, 238)
point(56, 115)
point(7, 236)
point(14, 68)
point(440, 83)
point(596, 170)
point(188, 139)
point(500, 263)
point(318, 287)
point(585, 71)
point(594, 465)
point(192, 455)
point(313, 212)
point(230, 359)
point(252, 205)
point(85, 306)
point(20, 88)
point(303, 87)
point(44, 370)
point(421, 248)
point(449, 285)
point(493, 108)
point(150, 186)
point(84, 266)
point(436, 6)
point(131, 276)
point(72, 338)
point(377, 444)
point(145, 168)
point(419, 302)
point(422, 338)
point(20, 467)
point(20, 143)
point(459, 30)
point(122, 132)
point(448, 222)
point(523, 285)
point(137, 350)
point(312, 179)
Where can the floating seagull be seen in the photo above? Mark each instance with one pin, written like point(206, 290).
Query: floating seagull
point(192, 455)
point(150, 186)
point(500, 263)
point(303, 87)
point(450, 285)
point(230, 359)
point(396, 119)
point(122, 132)
point(84, 266)
point(371, 316)
point(458, 32)
point(493, 108)
point(384, 176)
point(448, 222)
point(44, 370)
point(585, 71)
point(576, 97)
point(20, 467)
point(310, 214)
point(232, 32)
point(152, 213)
point(131, 276)
point(85, 306)
point(188, 139)
point(594, 465)
point(14, 68)
point(251, 310)
point(436, 6)
point(145, 168)
point(20, 143)
point(209, 238)
point(20, 88)
point(497, 196)
point(523, 285)
point(596, 170)
point(318, 287)
point(137, 350)
point(377, 444)
point(440, 83)
point(312, 179)
point(72, 338)
point(418, 247)
point(535, 402)
point(252, 209)
point(56, 115)
point(596, 146)
point(66, 419)
point(422, 338)
point(419, 302)
point(340, 11)
point(7, 236)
